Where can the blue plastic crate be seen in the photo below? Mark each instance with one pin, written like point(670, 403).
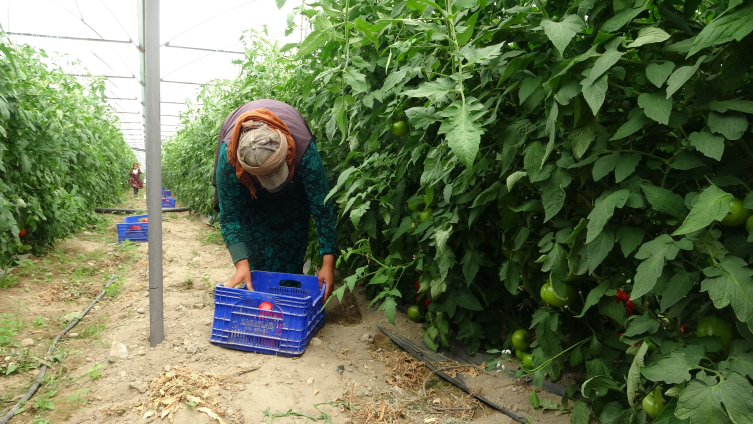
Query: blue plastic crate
point(125, 232)
point(168, 202)
point(135, 218)
point(167, 193)
point(296, 316)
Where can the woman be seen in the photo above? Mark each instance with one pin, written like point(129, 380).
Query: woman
point(270, 180)
point(135, 179)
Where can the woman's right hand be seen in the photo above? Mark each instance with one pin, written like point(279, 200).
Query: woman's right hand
point(242, 275)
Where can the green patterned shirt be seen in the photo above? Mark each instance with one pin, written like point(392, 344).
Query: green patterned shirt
point(272, 231)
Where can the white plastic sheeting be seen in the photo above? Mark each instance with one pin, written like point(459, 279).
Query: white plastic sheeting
point(215, 25)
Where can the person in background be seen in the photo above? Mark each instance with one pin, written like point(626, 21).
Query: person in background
point(135, 179)
point(269, 181)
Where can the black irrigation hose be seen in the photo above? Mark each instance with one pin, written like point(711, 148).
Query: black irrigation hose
point(42, 370)
point(117, 210)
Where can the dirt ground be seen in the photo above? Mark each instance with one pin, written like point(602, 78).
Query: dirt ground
point(351, 363)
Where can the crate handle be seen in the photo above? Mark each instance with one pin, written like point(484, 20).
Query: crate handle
point(291, 283)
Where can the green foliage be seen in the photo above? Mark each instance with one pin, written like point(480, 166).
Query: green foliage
point(61, 152)
point(549, 136)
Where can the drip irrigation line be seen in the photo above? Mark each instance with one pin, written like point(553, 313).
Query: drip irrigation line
point(40, 376)
point(131, 211)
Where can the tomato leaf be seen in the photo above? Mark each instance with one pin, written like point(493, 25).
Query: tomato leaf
point(596, 93)
point(707, 143)
point(730, 283)
point(633, 125)
point(642, 324)
point(634, 374)
point(649, 35)
point(658, 73)
point(745, 106)
point(703, 403)
point(603, 64)
point(712, 205)
point(681, 76)
point(603, 211)
point(665, 201)
point(560, 33)
point(675, 367)
point(656, 106)
point(463, 128)
point(630, 239)
point(731, 125)
point(621, 19)
point(732, 26)
point(436, 91)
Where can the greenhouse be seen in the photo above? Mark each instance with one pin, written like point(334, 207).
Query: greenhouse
point(397, 211)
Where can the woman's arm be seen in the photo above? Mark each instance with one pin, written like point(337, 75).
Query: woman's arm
point(234, 199)
point(315, 184)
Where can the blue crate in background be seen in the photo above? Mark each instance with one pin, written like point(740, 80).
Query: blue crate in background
point(163, 188)
point(135, 218)
point(296, 315)
point(125, 232)
point(167, 193)
point(168, 202)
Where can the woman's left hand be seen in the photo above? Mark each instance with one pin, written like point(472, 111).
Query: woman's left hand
point(327, 275)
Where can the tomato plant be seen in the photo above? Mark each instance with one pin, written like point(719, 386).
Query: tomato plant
point(61, 152)
point(605, 140)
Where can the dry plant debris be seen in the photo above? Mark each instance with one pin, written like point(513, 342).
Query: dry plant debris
point(178, 386)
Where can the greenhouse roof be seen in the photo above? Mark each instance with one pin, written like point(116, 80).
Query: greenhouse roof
point(199, 41)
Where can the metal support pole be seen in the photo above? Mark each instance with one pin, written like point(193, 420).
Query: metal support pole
point(150, 70)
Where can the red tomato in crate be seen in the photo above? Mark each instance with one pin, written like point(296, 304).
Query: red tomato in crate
point(266, 306)
point(144, 220)
point(134, 227)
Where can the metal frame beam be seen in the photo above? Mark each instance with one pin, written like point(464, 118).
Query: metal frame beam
point(150, 74)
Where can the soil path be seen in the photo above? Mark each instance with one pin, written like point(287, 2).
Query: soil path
point(351, 362)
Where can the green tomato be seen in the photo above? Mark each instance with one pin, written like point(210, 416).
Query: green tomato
point(749, 224)
point(425, 214)
point(399, 128)
point(520, 339)
point(713, 326)
point(737, 214)
point(412, 206)
point(414, 314)
point(653, 403)
point(519, 354)
point(549, 296)
point(527, 361)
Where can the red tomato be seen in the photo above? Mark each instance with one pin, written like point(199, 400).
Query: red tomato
point(426, 304)
point(135, 227)
point(144, 220)
point(682, 328)
point(265, 306)
point(22, 233)
point(629, 307)
point(622, 296)
point(417, 285)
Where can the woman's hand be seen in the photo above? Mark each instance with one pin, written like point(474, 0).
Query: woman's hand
point(327, 275)
point(242, 275)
